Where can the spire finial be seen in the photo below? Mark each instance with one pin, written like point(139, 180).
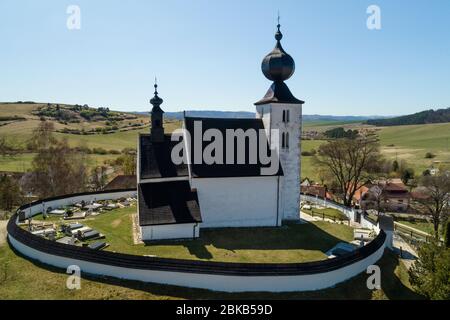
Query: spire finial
point(278, 35)
point(156, 87)
point(156, 101)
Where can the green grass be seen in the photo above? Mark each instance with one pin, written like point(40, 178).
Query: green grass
point(422, 226)
point(290, 243)
point(409, 143)
point(330, 213)
point(22, 162)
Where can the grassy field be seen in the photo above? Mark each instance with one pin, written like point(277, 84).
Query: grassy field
point(330, 213)
point(290, 243)
point(422, 226)
point(409, 143)
point(21, 278)
point(22, 162)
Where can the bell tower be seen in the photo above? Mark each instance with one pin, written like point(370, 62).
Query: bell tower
point(157, 129)
point(282, 112)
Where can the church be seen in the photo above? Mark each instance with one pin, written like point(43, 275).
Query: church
point(177, 199)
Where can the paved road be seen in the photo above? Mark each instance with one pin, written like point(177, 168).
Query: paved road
point(3, 231)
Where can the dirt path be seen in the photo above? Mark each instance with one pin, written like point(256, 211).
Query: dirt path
point(3, 231)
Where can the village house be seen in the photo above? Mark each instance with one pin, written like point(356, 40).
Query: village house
point(391, 195)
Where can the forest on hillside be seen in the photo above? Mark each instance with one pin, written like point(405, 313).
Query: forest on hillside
point(423, 117)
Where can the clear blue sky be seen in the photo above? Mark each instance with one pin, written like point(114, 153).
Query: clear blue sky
point(207, 54)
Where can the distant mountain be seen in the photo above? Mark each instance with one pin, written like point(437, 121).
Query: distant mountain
point(428, 116)
point(245, 114)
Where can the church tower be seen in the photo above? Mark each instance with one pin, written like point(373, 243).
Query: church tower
point(157, 130)
point(281, 111)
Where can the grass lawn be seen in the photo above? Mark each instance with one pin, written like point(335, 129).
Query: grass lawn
point(329, 213)
point(290, 243)
point(419, 225)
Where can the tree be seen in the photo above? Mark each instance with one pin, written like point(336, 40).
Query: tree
point(57, 169)
point(378, 191)
point(43, 136)
point(395, 166)
point(10, 193)
point(407, 174)
point(351, 161)
point(435, 200)
point(99, 178)
point(430, 272)
point(447, 234)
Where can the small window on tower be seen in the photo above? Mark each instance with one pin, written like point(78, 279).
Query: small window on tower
point(284, 115)
point(287, 140)
point(287, 115)
point(283, 141)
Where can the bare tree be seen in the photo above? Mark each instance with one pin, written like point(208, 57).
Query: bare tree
point(57, 169)
point(351, 161)
point(435, 200)
point(10, 193)
point(99, 178)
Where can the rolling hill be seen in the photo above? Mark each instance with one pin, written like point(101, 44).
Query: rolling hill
point(423, 117)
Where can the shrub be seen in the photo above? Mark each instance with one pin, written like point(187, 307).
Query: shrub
point(99, 151)
point(429, 155)
point(309, 153)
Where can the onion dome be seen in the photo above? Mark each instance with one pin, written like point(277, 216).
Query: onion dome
point(278, 65)
point(156, 101)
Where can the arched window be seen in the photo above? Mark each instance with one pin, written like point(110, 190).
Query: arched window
point(284, 115)
point(287, 115)
point(283, 141)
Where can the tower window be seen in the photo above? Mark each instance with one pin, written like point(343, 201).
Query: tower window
point(287, 140)
point(285, 116)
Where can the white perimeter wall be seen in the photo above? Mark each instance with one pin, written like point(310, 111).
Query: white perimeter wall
point(228, 283)
point(170, 231)
point(237, 202)
point(76, 199)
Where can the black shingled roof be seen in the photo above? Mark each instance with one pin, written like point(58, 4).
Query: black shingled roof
point(167, 203)
point(226, 170)
point(155, 159)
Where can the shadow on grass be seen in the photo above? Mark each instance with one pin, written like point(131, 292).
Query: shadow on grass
point(288, 237)
point(353, 289)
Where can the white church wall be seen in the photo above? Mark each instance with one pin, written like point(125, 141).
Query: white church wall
point(237, 202)
point(170, 231)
